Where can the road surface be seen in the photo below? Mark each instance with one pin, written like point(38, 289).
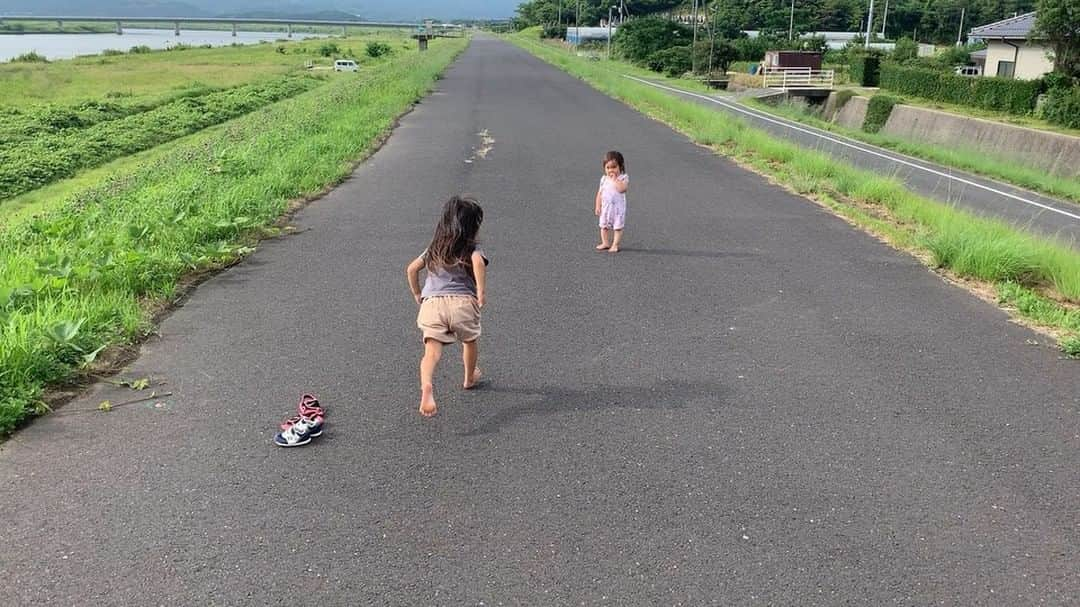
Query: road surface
point(754, 403)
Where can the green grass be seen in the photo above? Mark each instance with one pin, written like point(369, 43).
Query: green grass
point(972, 160)
point(149, 77)
point(46, 157)
point(79, 275)
point(955, 240)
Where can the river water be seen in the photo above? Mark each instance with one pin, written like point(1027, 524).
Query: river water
point(66, 46)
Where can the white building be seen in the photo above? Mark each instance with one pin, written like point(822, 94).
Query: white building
point(1009, 53)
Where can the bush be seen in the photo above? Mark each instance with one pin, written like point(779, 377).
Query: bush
point(866, 68)
point(905, 51)
point(722, 54)
point(110, 52)
point(877, 112)
point(956, 55)
point(1062, 106)
point(1001, 94)
point(553, 30)
point(329, 49)
point(378, 49)
point(141, 49)
point(671, 61)
point(639, 39)
point(30, 57)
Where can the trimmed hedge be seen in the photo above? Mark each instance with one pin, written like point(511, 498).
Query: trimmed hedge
point(877, 112)
point(1001, 94)
point(866, 69)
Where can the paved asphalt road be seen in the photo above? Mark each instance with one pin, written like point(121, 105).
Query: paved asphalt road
point(1031, 211)
point(754, 404)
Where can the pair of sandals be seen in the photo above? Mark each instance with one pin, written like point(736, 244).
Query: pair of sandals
point(308, 422)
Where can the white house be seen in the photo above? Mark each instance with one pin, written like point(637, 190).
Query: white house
point(1009, 52)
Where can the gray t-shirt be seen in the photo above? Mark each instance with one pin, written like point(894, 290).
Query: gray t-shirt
point(458, 280)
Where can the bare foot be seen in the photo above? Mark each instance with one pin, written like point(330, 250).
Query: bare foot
point(427, 402)
point(476, 375)
point(613, 249)
point(602, 247)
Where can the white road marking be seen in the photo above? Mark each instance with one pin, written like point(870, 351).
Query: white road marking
point(760, 116)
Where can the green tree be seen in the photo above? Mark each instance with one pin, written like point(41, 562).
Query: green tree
point(906, 51)
point(638, 39)
point(1059, 22)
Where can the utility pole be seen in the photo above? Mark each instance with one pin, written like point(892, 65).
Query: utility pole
point(791, 23)
point(961, 32)
point(560, 12)
point(869, 24)
point(609, 11)
point(577, 22)
point(693, 46)
point(712, 36)
point(884, 18)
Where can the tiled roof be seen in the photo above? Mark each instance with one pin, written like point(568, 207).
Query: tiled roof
point(1013, 27)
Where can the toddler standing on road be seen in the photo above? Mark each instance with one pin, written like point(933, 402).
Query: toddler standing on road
point(611, 201)
point(453, 293)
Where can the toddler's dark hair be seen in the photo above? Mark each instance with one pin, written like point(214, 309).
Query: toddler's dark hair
point(455, 235)
point(617, 157)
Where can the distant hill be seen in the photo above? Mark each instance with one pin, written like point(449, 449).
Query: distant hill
point(314, 16)
point(385, 10)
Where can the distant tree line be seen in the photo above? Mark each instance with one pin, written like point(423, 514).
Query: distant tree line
point(933, 21)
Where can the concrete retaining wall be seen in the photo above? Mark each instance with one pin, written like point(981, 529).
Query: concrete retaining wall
point(852, 114)
point(1052, 152)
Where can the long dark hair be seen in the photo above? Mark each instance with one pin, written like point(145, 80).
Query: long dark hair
point(617, 157)
point(455, 235)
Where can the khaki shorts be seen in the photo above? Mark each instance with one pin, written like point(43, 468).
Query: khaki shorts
point(445, 318)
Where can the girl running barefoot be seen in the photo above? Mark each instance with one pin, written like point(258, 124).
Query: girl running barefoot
point(453, 294)
point(611, 201)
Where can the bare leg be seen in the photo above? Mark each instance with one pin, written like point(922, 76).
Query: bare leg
point(603, 240)
point(470, 351)
point(615, 243)
point(432, 353)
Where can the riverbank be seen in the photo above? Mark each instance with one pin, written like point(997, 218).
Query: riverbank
point(56, 47)
point(84, 275)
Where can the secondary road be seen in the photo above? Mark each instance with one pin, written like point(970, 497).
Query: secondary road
point(1028, 210)
point(753, 404)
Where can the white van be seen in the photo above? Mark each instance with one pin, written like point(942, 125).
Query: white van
point(345, 65)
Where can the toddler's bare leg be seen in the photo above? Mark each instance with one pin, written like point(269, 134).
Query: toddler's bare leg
point(603, 240)
point(615, 243)
point(470, 352)
point(432, 353)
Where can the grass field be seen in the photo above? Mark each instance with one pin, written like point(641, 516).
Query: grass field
point(960, 243)
point(85, 269)
point(147, 77)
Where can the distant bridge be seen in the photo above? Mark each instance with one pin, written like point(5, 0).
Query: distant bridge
point(427, 26)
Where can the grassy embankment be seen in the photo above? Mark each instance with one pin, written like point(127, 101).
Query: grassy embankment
point(972, 160)
point(1037, 279)
point(149, 97)
point(86, 270)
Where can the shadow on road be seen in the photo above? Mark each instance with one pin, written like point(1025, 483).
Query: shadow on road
point(549, 400)
point(683, 253)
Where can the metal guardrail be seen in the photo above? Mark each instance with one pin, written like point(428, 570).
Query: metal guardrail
point(797, 78)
